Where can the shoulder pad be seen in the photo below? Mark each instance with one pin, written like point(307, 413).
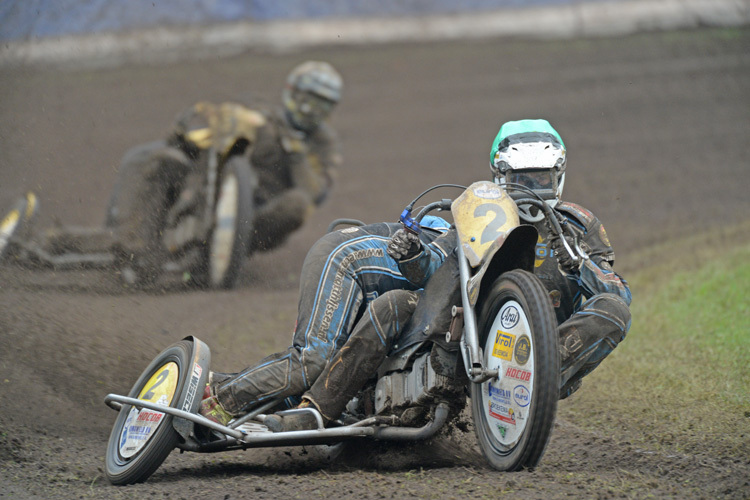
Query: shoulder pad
point(577, 212)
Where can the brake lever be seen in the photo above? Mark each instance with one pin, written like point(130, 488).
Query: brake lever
point(409, 223)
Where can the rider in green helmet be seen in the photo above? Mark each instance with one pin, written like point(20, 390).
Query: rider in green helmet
point(591, 301)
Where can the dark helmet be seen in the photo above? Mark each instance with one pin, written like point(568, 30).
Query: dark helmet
point(312, 91)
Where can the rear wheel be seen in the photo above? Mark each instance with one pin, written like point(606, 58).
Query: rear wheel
point(514, 413)
point(141, 439)
point(228, 244)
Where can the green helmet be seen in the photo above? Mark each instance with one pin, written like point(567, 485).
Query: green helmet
point(312, 91)
point(532, 153)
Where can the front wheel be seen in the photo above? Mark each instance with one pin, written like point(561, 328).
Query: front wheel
point(142, 439)
point(228, 243)
point(514, 413)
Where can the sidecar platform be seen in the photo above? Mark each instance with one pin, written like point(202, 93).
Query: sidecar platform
point(253, 434)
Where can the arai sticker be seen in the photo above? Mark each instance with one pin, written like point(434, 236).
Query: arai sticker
point(503, 348)
point(509, 317)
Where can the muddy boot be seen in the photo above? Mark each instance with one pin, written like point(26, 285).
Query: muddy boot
point(570, 387)
point(297, 421)
point(212, 410)
point(216, 378)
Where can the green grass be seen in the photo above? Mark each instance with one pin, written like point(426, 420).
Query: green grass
point(681, 378)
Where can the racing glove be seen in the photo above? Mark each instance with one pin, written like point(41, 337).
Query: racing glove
point(567, 264)
point(404, 245)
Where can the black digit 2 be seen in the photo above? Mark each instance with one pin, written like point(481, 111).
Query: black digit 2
point(159, 380)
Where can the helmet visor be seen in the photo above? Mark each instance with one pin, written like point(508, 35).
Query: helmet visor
point(543, 182)
point(312, 105)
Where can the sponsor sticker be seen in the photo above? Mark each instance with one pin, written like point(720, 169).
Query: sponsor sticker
point(509, 317)
point(192, 388)
point(503, 348)
point(502, 413)
point(488, 191)
point(556, 297)
point(523, 350)
point(502, 430)
point(499, 395)
point(518, 374)
point(521, 395)
point(139, 427)
point(603, 236)
point(541, 252)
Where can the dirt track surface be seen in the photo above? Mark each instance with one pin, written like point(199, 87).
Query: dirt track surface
point(656, 128)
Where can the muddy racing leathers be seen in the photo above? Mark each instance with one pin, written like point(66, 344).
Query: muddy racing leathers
point(591, 303)
point(591, 306)
point(295, 168)
point(342, 276)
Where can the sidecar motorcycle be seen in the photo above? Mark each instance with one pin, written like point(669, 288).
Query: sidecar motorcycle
point(484, 328)
point(204, 218)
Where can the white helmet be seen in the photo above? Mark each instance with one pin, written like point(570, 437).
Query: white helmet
point(531, 153)
point(312, 91)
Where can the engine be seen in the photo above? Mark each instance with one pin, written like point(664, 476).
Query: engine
point(415, 389)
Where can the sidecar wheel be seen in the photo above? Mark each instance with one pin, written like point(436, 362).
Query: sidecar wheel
point(228, 244)
point(142, 439)
point(514, 413)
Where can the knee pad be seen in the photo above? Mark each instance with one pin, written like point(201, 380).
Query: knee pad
point(592, 333)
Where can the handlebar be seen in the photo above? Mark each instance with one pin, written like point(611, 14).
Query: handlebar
point(557, 222)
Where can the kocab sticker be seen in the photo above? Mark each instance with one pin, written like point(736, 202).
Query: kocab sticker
point(518, 373)
point(503, 348)
point(523, 350)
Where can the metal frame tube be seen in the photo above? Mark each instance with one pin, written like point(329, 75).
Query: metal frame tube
point(242, 439)
point(414, 433)
point(193, 417)
point(469, 340)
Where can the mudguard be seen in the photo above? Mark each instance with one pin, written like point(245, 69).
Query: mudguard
point(432, 316)
point(191, 396)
